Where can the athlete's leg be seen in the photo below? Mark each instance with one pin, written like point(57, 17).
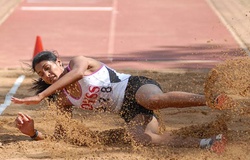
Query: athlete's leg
point(144, 132)
point(143, 129)
point(136, 129)
point(151, 97)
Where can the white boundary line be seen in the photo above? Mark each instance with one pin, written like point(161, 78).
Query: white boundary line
point(230, 29)
point(8, 14)
point(111, 40)
point(66, 8)
point(12, 91)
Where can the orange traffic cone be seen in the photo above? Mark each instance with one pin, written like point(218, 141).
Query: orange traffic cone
point(38, 47)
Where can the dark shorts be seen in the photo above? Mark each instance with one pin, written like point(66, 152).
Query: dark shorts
point(130, 108)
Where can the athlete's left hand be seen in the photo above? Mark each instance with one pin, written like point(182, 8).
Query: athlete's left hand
point(27, 100)
point(25, 124)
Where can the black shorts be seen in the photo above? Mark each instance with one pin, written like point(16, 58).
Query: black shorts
point(130, 108)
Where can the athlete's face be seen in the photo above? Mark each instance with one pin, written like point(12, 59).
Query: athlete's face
point(49, 71)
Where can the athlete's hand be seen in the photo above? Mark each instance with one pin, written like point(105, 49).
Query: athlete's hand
point(25, 124)
point(27, 100)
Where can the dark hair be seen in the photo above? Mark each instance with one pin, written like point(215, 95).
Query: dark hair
point(43, 56)
point(38, 84)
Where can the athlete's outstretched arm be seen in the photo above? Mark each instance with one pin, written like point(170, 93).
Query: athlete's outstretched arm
point(79, 67)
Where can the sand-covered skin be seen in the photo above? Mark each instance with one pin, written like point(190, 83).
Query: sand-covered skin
point(94, 136)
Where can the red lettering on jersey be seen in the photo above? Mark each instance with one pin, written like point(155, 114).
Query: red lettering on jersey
point(94, 89)
point(87, 106)
point(90, 98)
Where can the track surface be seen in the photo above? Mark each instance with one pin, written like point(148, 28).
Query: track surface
point(138, 34)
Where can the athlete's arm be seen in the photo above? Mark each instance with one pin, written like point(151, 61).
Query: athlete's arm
point(80, 66)
point(26, 124)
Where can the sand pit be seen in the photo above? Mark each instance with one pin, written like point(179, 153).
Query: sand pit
point(232, 79)
point(102, 136)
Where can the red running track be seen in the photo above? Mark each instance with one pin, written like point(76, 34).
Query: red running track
point(138, 34)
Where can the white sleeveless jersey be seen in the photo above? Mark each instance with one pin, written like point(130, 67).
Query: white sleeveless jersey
point(103, 89)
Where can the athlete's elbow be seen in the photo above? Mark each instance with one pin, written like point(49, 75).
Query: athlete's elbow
point(79, 74)
point(76, 74)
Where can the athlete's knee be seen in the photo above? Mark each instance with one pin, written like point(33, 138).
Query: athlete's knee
point(154, 99)
point(138, 135)
point(136, 129)
point(142, 139)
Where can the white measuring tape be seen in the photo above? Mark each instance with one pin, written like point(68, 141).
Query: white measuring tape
point(12, 91)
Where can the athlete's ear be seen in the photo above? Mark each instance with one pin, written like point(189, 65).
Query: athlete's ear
point(59, 62)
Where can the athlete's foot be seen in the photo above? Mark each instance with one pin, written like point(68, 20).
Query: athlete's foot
point(215, 144)
point(218, 144)
point(222, 101)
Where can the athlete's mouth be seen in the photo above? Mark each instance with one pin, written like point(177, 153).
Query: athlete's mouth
point(52, 79)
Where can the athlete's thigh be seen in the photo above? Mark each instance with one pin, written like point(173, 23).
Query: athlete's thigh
point(144, 94)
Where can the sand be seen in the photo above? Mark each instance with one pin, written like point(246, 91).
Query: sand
point(85, 136)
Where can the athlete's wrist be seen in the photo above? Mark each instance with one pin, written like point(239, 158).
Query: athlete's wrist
point(34, 134)
point(41, 96)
